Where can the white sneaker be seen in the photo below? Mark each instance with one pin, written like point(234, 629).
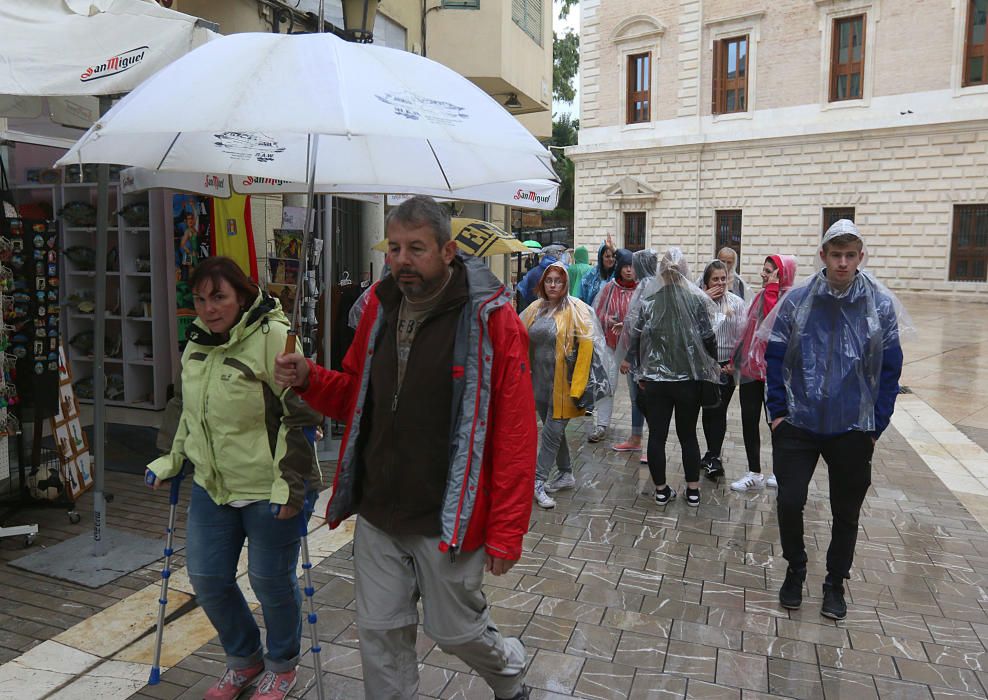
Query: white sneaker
point(597, 434)
point(752, 481)
point(565, 480)
point(542, 498)
point(771, 482)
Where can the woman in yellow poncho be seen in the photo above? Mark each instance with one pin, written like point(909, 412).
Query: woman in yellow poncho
point(561, 333)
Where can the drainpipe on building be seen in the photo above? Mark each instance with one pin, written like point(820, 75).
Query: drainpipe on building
point(699, 128)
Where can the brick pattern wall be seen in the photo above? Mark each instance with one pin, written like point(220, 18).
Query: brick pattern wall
point(688, 57)
point(903, 184)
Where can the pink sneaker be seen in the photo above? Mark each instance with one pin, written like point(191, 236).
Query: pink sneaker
point(274, 686)
point(627, 446)
point(234, 682)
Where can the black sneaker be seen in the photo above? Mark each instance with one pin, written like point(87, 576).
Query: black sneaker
point(692, 497)
point(523, 694)
point(665, 495)
point(705, 462)
point(833, 606)
point(713, 469)
point(791, 593)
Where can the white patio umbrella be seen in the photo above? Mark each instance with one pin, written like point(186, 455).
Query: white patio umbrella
point(524, 194)
point(58, 56)
point(66, 57)
point(257, 105)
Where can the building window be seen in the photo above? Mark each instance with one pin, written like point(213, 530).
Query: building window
point(969, 244)
point(847, 59)
point(728, 231)
point(639, 87)
point(832, 215)
point(471, 4)
point(527, 14)
point(634, 230)
point(730, 82)
point(975, 44)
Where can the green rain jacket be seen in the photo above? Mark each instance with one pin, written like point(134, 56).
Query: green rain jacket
point(576, 271)
point(243, 432)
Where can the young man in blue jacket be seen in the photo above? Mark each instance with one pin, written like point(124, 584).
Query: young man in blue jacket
point(833, 366)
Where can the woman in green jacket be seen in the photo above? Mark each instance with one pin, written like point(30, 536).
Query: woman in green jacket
point(247, 440)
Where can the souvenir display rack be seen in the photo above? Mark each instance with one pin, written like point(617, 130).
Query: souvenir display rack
point(138, 361)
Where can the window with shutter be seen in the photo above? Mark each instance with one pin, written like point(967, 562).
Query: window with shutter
point(728, 232)
point(831, 215)
point(730, 82)
point(527, 14)
point(976, 44)
point(969, 244)
point(847, 59)
point(639, 89)
point(634, 230)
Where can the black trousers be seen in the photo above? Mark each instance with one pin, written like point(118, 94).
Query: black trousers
point(752, 396)
point(715, 419)
point(662, 401)
point(795, 453)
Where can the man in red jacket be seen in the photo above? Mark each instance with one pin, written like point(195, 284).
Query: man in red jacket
point(438, 458)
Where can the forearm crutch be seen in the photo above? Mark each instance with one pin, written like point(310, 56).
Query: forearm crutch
point(311, 616)
point(166, 572)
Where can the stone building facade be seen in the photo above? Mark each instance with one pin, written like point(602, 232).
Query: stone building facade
point(712, 122)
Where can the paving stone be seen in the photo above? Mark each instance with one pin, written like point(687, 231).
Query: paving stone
point(692, 660)
point(742, 670)
point(795, 679)
point(600, 679)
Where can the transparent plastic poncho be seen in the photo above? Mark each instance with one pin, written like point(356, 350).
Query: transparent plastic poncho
point(671, 329)
point(834, 344)
point(575, 322)
point(645, 263)
point(612, 302)
point(750, 354)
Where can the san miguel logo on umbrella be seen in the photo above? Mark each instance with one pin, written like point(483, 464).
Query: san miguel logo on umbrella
point(114, 64)
point(415, 107)
point(532, 196)
point(240, 145)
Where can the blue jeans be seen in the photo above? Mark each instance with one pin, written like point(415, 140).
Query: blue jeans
point(215, 539)
point(637, 418)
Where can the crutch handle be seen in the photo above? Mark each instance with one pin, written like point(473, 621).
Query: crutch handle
point(290, 342)
point(176, 485)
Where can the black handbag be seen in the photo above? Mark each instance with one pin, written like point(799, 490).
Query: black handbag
point(709, 394)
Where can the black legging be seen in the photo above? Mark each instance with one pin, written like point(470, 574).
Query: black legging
point(752, 399)
point(662, 400)
point(715, 419)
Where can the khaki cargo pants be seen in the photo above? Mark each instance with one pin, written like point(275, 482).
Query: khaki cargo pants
point(392, 574)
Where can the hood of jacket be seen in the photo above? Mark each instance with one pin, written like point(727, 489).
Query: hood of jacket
point(645, 262)
point(786, 265)
point(558, 267)
point(581, 255)
point(622, 258)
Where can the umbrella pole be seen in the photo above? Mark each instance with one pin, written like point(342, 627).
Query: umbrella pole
point(293, 328)
point(99, 346)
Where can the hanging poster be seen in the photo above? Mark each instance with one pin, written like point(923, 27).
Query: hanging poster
point(71, 443)
point(190, 215)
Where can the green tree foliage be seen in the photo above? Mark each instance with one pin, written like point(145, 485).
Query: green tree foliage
point(566, 6)
point(565, 131)
point(565, 64)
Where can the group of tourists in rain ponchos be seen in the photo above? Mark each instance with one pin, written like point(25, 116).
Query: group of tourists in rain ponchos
point(685, 345)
